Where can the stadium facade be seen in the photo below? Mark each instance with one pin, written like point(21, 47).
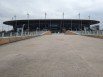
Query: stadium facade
point(54, 25)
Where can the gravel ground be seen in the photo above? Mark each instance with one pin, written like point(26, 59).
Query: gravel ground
point(55, 55)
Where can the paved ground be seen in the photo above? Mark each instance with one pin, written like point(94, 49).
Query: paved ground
point(53, 56)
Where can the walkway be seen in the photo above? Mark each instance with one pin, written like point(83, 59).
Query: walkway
point(56, 55)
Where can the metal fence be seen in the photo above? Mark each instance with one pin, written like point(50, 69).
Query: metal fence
point(91, 33)
point(18, 34)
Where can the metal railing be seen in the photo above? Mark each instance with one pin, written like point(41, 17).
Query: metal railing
point(20, 34)
point(90, 33)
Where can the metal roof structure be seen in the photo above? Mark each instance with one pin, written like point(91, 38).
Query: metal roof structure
point(86, 22)
point(51, 24)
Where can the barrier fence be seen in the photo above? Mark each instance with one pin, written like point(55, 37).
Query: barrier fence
point(19, 34)
point(90, 33)
point(14, 36)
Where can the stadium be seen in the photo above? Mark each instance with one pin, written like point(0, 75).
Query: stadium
point(53, 25)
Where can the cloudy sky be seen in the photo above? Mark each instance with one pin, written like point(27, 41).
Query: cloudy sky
point(53, 8)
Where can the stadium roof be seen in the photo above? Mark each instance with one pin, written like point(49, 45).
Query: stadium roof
point(83, 21)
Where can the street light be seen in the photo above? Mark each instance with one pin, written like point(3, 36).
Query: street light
point(89, 17)
point(15, 20)
point(45, 15)
point(63, 15)
point(15, 17)
point(79, 15)
point(12, 18)
point(79, 22)
point(45, 19)
point(63, 20)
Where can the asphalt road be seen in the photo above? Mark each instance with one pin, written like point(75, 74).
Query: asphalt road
point(56, 55)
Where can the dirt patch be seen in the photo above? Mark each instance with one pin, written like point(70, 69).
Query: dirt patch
point(69, 33)
point(101, 37)
point(12, 39)
point(48, 33)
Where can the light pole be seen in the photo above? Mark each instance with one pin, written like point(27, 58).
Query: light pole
point(28, 21)
point(15, 21)
point(79, 15)
point(45, 20)
point(63, 21)
point(12, 18)
point(79, 21)
point(15, 17)
point(63, 15)
point(45, 15)
point(89, 17)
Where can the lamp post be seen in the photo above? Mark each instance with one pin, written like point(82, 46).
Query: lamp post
point(15, 20)
point(45, 15)
point(79, 21)
point(28, 21)
point(89, 17)
point(12, 18)
point(63, 15)
point(63, 21)
point(15, 17)
point(79, 15)
point(45, 20)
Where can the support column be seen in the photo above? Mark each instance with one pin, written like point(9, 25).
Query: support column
point(71, 25)
point(81, 25)
point(39, 25)
point(50, 25)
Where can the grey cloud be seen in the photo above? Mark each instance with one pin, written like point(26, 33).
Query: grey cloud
point(54, 9)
